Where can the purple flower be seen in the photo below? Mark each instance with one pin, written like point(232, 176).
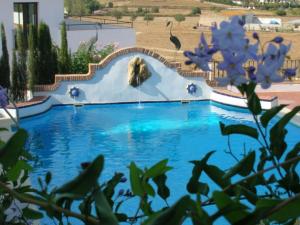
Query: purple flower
point(121, 192)
point(255, 35)
point(251, 74)
point(233, 64)
point(278, 40)
point(123, 179)
point(202, 55)
point(250, 51)
point(266, 75)
point(3, 97)
point(230, 35)
point(290, 72)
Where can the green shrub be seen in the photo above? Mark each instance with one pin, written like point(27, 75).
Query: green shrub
point(88, 53)
point(139, 10)
point(196, 11)
point(155, 9)
point(179, 18)
point(148, 18)
point(281, 12)
point(110, 5)
point(117, 14)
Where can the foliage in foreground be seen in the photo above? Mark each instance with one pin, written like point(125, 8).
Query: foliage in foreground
point(262, 187)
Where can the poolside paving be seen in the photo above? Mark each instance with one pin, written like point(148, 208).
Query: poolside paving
point(292, 98)
point(33, 101)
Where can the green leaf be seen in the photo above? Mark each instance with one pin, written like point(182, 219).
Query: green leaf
point(243, 167)
point(135, 180)
point(173, 215)
point(194, 186)
point(158, 169)
point(162, 190)
point(109, 190)
point(32, 214)
point(278, 211)
point(175, 41)
point(239, 129)
point(3, 129)
point(104, 210)
point(233, 211)
point(84, 182)
point(278, 133)
point(217, 175)
point(14, 173)
point(269, 114)
point(253, 103)
point(148, 189)
point(292, 154)
point(12, 150)
point(48, 177)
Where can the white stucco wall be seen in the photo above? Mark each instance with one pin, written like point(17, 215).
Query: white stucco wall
point(123, 37)
point(110, 85)
point(49, 11)
point(241, 102)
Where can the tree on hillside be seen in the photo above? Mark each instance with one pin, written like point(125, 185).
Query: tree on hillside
point(64, 57)
point(4, 61)
point(148, 18)
point(76, 7)
point(22, 63)
point(117, 14)
point(133, 17)
point(179, 18)
point(33, 64)
point(196, 11)
point(92, 5)
point(47, 67)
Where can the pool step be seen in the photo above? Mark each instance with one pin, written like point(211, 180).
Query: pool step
point(78, 104)
point(185, 101)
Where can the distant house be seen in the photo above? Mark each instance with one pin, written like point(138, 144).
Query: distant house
point(252, 22)
point(14, 13)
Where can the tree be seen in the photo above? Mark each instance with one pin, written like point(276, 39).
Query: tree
point(33, 64)
point(179, 18)
point(110, 5)
point(148, 17)
point(133, 17)
point(92, 5)
point(196, 11)
point(117, 14)
point(22, 63)
point(4, 61)
point(155, 9)
point(15, 74)
point(47, 67)
point(64, 57)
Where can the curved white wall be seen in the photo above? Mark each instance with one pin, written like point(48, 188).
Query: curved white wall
point(110, 85)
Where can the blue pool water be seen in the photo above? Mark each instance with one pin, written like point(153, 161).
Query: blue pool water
point(65, 136)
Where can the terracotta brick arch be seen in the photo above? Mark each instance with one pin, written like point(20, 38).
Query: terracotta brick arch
point(95, 67)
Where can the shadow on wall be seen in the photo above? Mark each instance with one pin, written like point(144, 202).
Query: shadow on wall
point(149, 87)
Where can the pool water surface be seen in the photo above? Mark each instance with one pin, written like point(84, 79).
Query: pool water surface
point(65, 136)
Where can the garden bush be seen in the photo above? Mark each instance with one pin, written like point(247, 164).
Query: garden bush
point(280, 12)
point(196, 11)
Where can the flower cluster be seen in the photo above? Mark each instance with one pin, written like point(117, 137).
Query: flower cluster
point(229, 39)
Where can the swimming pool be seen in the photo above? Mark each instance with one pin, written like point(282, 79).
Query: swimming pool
point(65, 136)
